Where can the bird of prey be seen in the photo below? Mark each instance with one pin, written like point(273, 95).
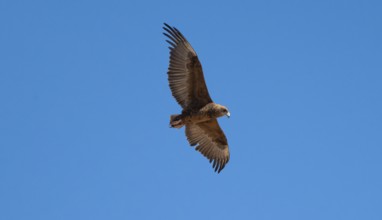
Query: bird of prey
point(200, 113)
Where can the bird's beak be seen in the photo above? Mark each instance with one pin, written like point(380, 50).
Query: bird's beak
point(228, 114)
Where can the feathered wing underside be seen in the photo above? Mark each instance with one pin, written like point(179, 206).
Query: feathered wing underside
point(185, 74)
point(209, 140)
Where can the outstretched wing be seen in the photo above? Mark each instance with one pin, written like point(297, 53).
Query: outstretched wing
point(185, 74)
point(210, 141)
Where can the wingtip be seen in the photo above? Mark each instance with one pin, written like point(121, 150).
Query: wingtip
point(219, 165)
point(166, 25)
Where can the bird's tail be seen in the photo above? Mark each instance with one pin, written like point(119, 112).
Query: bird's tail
point(176, 121)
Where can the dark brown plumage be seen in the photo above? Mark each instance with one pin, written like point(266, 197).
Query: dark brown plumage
point(200, 113)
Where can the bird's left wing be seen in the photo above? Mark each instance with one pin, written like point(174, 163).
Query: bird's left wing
point(210, 141)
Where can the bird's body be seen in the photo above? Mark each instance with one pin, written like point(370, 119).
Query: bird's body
point(206, 113)
point(200, 113)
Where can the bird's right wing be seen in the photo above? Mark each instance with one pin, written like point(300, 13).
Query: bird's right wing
point(185, 74)
point(210, 141)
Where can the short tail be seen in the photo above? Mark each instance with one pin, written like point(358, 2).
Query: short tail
point(176, 121)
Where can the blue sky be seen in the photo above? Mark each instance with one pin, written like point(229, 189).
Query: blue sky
point(85, 107)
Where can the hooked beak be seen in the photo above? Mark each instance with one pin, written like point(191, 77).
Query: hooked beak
point(228, 114)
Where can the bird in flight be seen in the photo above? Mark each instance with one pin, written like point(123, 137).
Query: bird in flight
point(200, 113)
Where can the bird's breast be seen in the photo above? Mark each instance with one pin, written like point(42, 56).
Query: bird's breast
point(197, 117)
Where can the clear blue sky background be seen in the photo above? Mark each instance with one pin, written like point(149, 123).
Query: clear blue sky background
point(85, 108)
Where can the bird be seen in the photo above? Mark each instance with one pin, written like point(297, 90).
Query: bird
point(199, 113)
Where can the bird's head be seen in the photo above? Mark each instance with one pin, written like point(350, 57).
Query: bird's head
point(224, 111)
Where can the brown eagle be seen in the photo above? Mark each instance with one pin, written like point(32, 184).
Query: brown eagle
point(200, 113)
